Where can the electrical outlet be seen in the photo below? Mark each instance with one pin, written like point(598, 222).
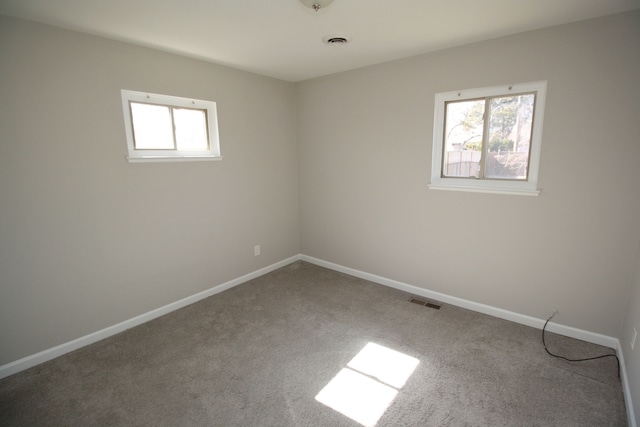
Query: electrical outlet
point(633, 338)
point(256, 250)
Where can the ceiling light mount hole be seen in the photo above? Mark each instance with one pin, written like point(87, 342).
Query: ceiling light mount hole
point(316, 5)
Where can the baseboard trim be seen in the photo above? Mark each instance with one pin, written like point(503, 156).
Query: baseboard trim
point(626, 388)
point(51, 353)
point(568, 331)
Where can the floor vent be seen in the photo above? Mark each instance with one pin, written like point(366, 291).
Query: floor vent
point(425, 303)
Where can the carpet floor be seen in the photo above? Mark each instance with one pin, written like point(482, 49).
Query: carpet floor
point(307, 346)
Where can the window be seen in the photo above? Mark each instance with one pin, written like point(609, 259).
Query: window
point(169, 128)
point(488, 139)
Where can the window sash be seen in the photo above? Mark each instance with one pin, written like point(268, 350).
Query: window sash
point(496, 186)
point(182, 143)
point(174, 137)
point(486, 134)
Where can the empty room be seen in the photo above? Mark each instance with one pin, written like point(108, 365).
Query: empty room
point(320, 213)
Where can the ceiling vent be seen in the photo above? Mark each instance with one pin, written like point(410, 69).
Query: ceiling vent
point(336, 40)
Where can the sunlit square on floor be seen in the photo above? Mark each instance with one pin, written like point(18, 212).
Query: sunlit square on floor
point(388, 366)
point(364, 390)
point(357, 396)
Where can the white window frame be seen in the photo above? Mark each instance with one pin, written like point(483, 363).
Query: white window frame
point(146, 155)
point(528, 187)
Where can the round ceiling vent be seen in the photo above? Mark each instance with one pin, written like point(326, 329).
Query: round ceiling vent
point(336, 40)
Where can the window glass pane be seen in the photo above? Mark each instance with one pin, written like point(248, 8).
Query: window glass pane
point(191, 129)
point(510, 120)
point(152, 127)
point(463, 138)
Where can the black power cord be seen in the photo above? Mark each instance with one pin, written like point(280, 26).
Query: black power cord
point(574, 360)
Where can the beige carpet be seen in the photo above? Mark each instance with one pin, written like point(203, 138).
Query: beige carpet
point(306, 346)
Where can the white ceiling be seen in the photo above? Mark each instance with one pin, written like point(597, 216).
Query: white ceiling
point(283, 38)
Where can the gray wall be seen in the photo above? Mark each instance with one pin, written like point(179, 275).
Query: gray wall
point(89, 240)
point(365, 156)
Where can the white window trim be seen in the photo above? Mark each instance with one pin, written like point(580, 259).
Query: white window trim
point(141, 156)
point(526, 188)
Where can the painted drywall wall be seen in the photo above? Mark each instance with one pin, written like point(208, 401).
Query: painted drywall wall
point(632, 357)
point(88, 240)
point(365, 140)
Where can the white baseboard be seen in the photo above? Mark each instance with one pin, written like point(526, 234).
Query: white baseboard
point(523, 319)
point(626, 388)
point(51, 353)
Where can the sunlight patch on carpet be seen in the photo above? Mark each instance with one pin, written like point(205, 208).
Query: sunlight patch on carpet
point(366, 387)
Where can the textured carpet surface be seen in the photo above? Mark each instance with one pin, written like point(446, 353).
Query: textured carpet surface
point(260, 353)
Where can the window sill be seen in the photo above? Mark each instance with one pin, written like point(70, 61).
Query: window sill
point(163, 159)
point(512, 192)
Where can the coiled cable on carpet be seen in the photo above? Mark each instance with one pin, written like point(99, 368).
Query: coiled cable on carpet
point(574, 360)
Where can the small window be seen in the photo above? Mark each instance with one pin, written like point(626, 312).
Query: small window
point(162, 127)
point(488, 139)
